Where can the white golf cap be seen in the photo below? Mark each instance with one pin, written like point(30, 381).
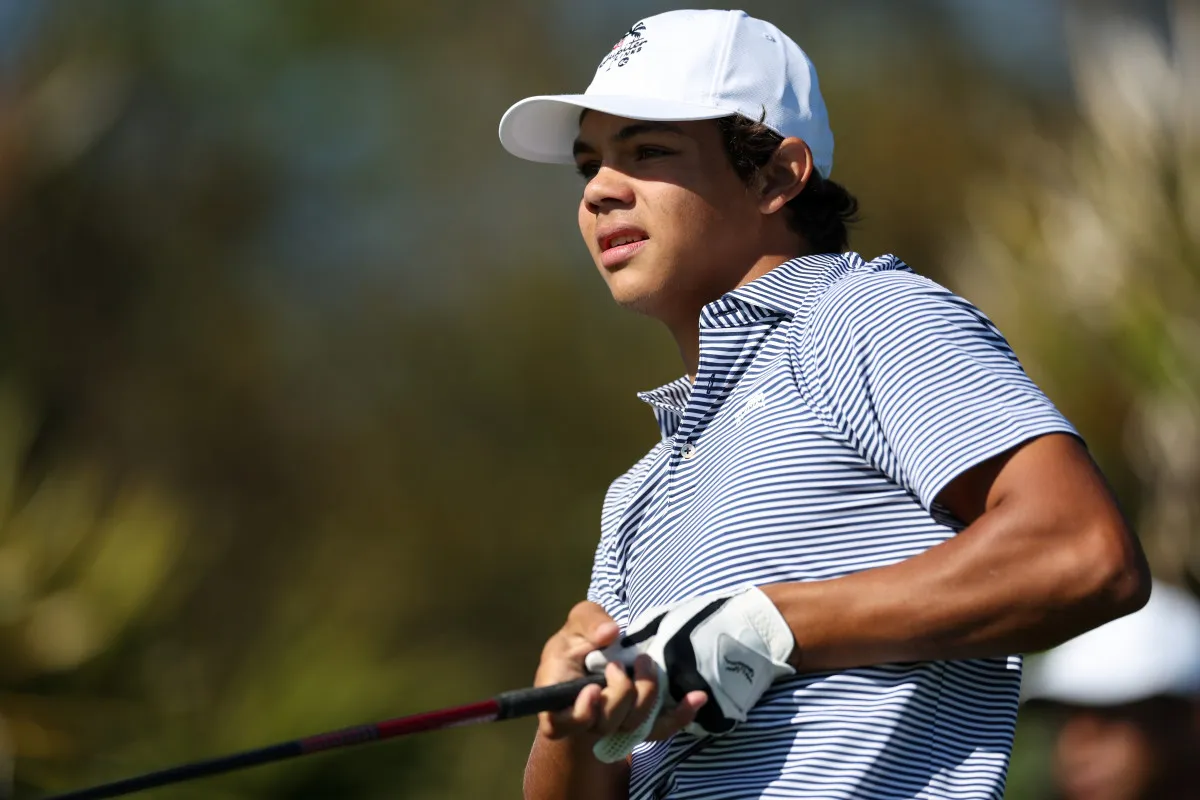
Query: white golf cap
point(1154, 651)
point(685, 65)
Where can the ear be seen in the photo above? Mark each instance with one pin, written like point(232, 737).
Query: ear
point(785, 175)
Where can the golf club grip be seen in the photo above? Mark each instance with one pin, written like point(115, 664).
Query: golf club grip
point(556, 697)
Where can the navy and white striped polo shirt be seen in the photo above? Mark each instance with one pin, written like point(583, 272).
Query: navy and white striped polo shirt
point(834, 399)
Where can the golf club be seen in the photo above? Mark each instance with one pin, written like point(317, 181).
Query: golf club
point(506, 705)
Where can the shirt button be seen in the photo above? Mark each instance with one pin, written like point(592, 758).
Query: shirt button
point(689, 451)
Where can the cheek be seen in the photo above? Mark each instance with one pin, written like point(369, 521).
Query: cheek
point(709, 236)
point(716, 209)
point(687, 222)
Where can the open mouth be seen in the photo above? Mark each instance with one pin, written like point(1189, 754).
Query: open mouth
point(621, 238)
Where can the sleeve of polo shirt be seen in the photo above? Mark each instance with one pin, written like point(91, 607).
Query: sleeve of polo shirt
point(602, 589)
point(605, 588)
point(917, 379)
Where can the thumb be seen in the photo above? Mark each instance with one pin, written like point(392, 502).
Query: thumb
point(588, 623)
point(596, 660)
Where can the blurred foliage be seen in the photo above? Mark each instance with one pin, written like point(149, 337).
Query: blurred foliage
point(310, 396)
point(80, 561)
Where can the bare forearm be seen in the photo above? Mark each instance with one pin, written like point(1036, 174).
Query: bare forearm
point(1007, 584)
point(565, 769)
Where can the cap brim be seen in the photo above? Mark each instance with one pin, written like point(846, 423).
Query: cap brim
point(544, 128)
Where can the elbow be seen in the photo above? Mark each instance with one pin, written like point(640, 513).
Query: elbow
point(1131, 586)
point(1113, 576)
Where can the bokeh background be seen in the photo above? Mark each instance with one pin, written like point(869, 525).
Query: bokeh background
point(309, 392)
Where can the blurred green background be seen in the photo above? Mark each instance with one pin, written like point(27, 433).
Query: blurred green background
point(309, 393)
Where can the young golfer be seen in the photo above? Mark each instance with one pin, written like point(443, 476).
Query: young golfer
point(860, 508)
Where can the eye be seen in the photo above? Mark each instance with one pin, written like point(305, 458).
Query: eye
point(653, 151)
point(587, 169)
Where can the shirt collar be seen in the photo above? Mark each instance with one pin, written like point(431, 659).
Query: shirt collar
point(669, 401)
point(788, 289)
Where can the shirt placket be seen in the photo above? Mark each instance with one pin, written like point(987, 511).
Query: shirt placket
point(731, 333)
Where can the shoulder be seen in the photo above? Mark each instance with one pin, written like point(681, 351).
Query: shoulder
point(885, 284)
point(885, 300)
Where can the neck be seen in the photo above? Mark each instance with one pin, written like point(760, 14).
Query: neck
point(686, 328)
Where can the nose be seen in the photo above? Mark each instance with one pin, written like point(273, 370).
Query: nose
point(608, 188)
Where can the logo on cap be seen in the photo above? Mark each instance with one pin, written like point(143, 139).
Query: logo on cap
point(628, 45)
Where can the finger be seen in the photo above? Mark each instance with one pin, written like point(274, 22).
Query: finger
point(557, 666)
point(579, 648)
point(645, 682)
point(600, 636)
point(585, 618)
point(671, 722)
point(579, 717)
point(568, 651)
point(619, 696)
point(586, 614)
point(605, 634)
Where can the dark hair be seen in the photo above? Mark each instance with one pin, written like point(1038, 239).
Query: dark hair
point(823, 210)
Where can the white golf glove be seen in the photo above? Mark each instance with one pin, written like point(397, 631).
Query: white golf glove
point(732, 646)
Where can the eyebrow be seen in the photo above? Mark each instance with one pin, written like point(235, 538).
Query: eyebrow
point(629, 132)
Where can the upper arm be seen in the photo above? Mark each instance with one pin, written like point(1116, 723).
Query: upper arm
point(1054, 474)
point(1049, 498)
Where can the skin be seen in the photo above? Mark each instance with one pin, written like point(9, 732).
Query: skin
point(708, 232)
point(1146, 750)
point(1045, 556)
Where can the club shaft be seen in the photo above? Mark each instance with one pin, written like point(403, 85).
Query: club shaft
point(508, 705)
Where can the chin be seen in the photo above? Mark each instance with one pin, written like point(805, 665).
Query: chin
point(635, 301)
point(636, 295)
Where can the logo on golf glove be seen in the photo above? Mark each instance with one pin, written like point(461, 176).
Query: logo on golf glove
point(739, 667)
point(732, 647)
